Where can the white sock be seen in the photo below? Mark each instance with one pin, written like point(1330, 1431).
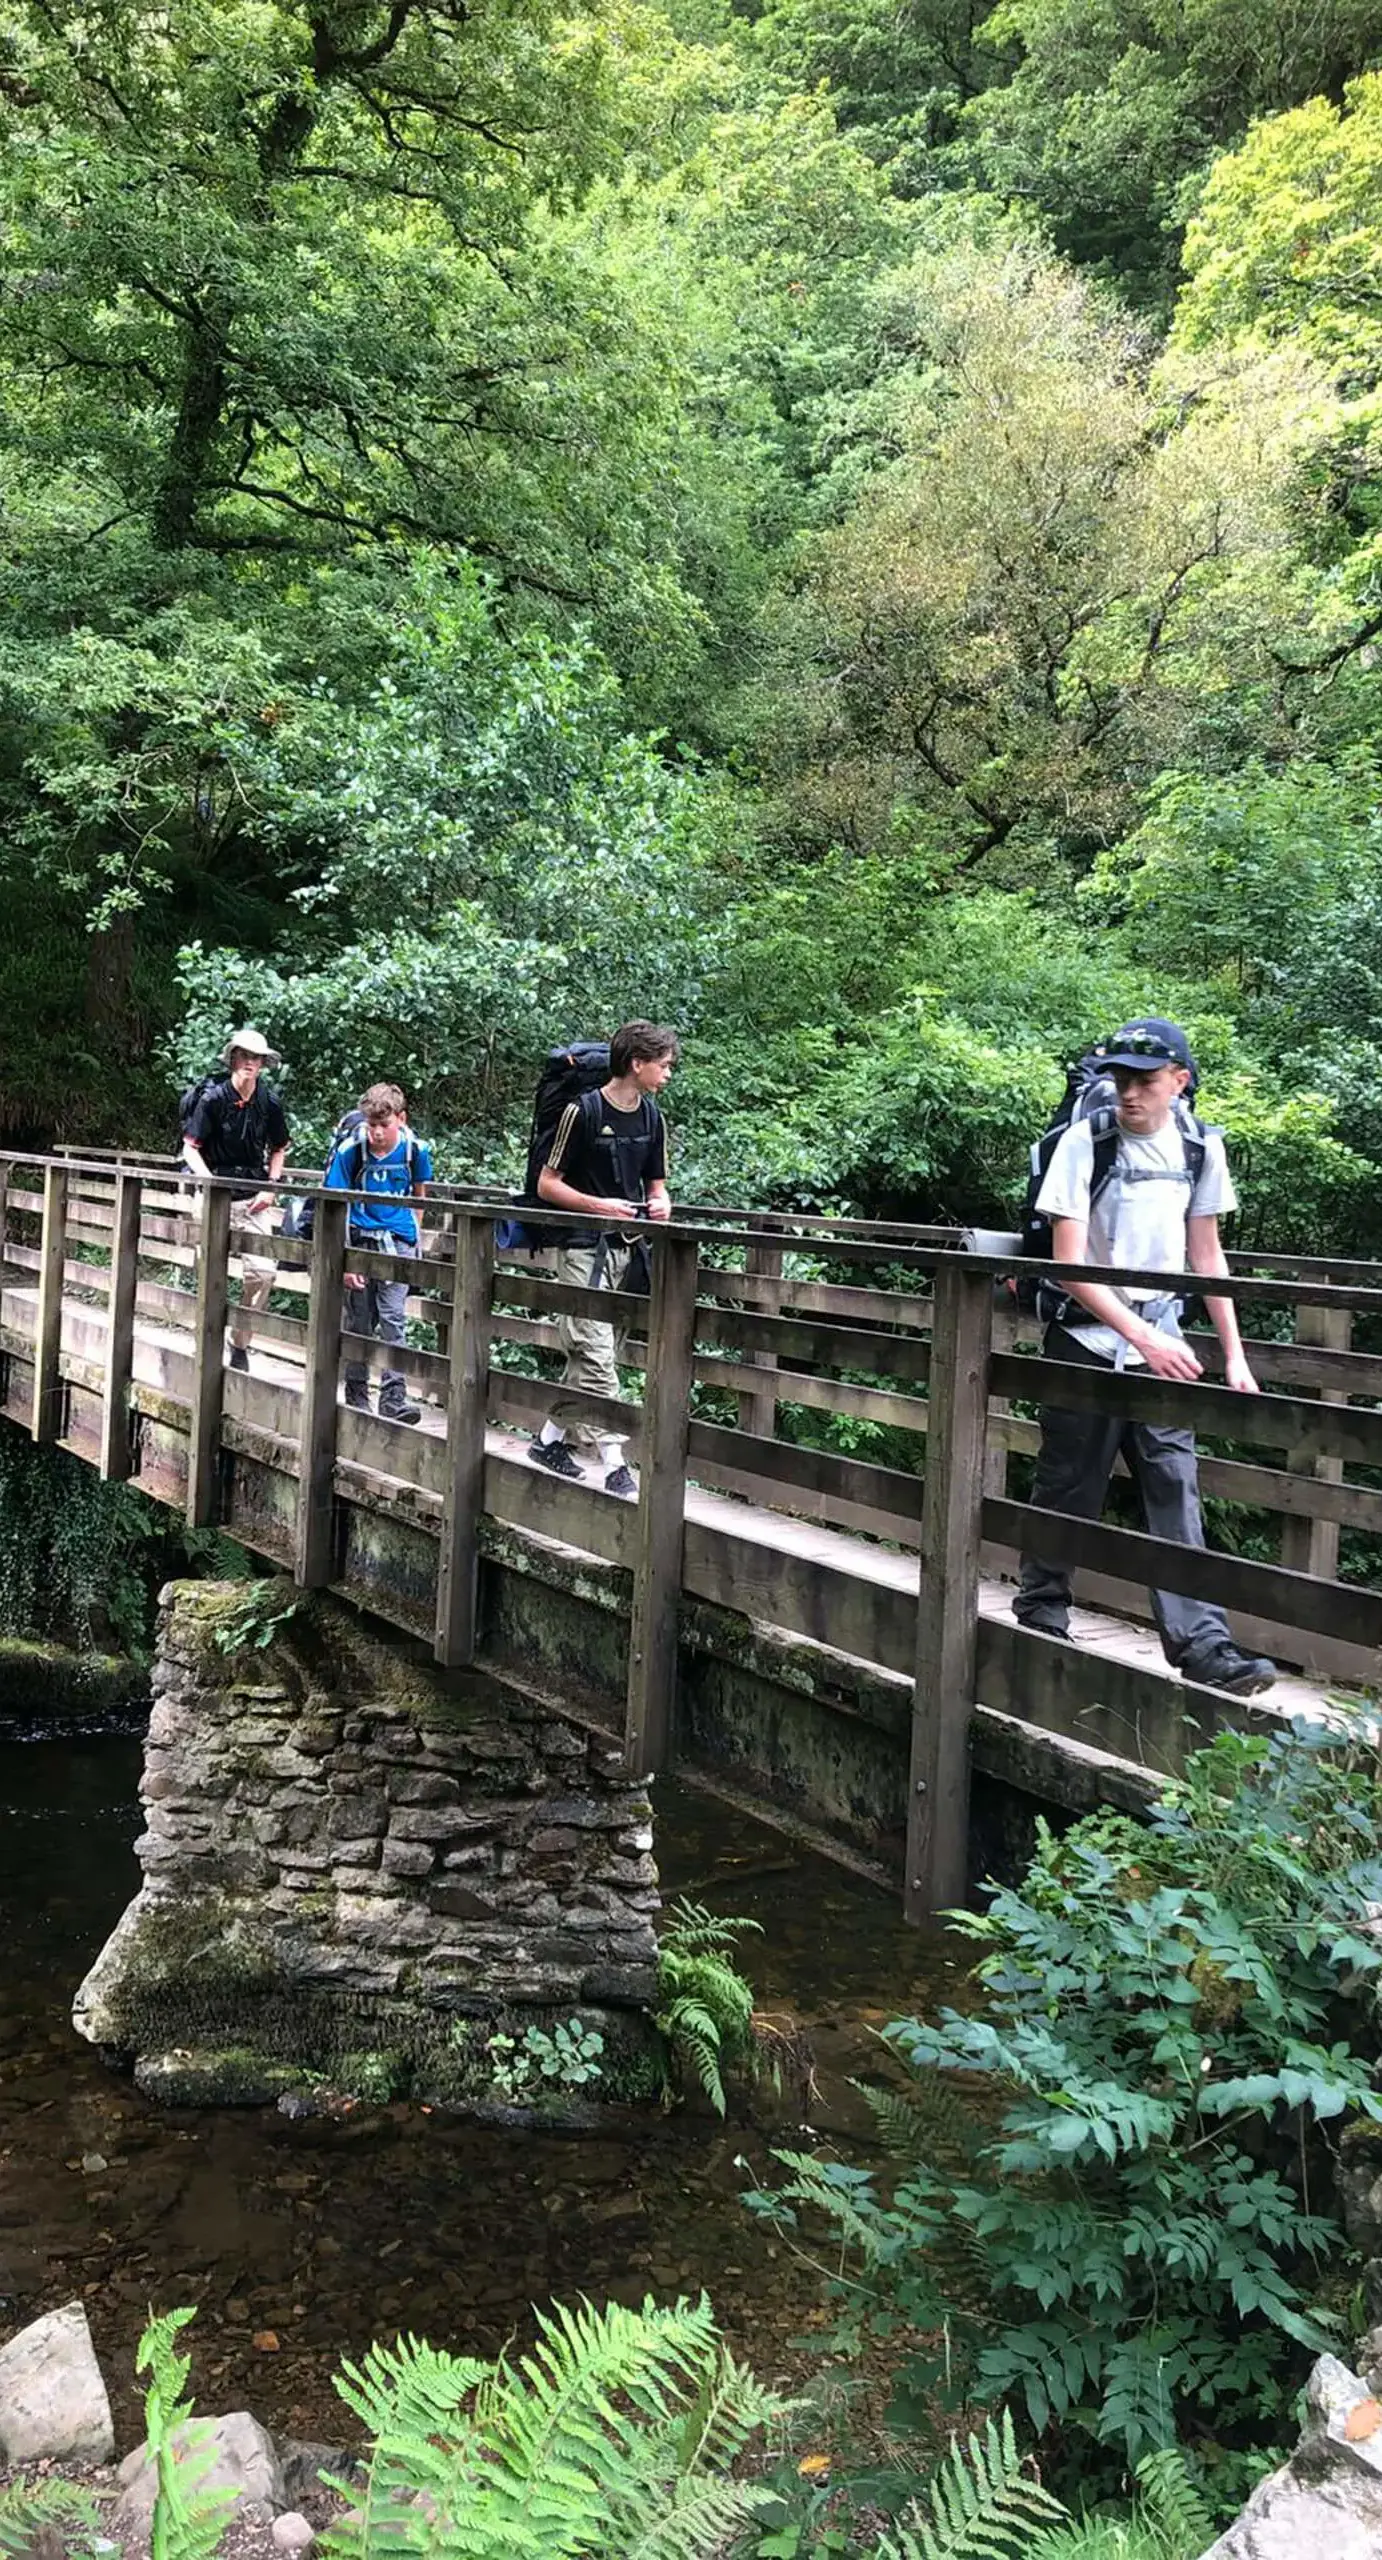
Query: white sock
point(611, 1454)
point(550, 1433)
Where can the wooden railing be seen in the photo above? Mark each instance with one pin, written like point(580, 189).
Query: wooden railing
point(114, 1310)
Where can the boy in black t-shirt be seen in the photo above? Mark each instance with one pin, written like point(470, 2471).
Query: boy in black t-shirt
point(608, 1159)
point(238, 1131)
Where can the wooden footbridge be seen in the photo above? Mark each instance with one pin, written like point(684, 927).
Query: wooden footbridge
point(113, 1306)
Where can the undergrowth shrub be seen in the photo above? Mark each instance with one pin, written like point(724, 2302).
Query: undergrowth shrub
point(1114, 2204)
point(704, 2008)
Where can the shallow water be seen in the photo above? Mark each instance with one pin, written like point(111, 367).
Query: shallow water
point(326, 2233)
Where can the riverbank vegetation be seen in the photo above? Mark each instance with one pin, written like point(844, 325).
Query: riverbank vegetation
point(860, 539)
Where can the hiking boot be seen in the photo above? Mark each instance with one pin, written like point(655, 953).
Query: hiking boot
point(624, 1482)
point(398, 1409)
point(556, 1458)
point(357, 1397)
point(239, 1357)
point(1243, 1675)
point(1042, 1622)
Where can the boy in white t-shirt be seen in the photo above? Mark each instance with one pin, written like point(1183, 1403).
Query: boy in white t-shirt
point(1152, 1214)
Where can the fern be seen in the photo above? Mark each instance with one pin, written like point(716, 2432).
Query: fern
point(983, 2505)
point(705, 2006)
point(1170, 2520)
point(614, 2436)
point(30, 2507)
point(189, 2520)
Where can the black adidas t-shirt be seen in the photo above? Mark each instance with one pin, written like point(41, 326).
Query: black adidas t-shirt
point(612, 1155)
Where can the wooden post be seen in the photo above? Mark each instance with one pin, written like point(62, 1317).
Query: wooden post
point(209, 1351)
point(758, 1405)
point(1312, 1546)
point(117, 1456)
point(948, 1599)
point(661, 1504)
point(467, 1407)
point(313, 1544)
point(45, 1422)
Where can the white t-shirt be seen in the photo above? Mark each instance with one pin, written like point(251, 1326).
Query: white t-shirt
point(1138, 1222)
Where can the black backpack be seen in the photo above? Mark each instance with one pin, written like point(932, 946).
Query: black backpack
point(194, 1093)
point(567, 1075)
point(1090, 1095)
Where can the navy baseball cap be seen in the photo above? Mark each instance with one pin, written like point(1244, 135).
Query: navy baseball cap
point(1147, 1044)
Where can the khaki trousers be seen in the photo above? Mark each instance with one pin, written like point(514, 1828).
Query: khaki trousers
point(258, 1271)
point(592, 1349)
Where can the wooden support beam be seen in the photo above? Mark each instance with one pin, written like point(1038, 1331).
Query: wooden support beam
point(45, 1421)
point(1312, 1545)
point(209, 1351)
point(313, 1539)
point(657, 1576)
point(763, 1262)
point(948, 1599)
point(467, 1399)
point(117, 1452)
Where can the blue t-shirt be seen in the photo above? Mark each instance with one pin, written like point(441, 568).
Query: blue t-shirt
point(388, 1179)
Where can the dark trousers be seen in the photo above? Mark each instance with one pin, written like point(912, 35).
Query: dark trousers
point(380, 1307)
point(1073, 1469)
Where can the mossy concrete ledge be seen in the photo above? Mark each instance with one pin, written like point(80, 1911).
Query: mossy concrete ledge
point(59, 1685)
point(359, 1870)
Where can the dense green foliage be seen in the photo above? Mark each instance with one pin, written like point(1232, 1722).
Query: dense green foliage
point(704, 2010)
point(1130, 2235)
point(855, 531)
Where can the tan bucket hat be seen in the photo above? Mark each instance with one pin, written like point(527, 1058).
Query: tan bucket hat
point(250, 1040)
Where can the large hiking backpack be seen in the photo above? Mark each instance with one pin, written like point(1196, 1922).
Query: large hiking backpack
point(567, 1074)
point(1090, 1095)
point(300, 1216)
point(191, 1095)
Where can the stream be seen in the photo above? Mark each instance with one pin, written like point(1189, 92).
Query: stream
point(301, 2241)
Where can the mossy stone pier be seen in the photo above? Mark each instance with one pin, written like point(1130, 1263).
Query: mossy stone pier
point(358, 1871)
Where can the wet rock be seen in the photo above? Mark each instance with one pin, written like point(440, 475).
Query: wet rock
point(306, 2466)
point(291, 2532)
point(243, 2461)
point(52, 2397)
point(1328, 2498)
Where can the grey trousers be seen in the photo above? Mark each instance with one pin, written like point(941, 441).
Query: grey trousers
point(592, 1349)
point(380, 1307)
point(1073, 1469)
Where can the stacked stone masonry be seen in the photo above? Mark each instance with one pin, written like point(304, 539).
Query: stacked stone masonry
point(350, 1854)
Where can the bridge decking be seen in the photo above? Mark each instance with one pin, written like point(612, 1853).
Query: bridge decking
point(104, 1346)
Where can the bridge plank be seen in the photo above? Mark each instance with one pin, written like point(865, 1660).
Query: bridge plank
point(208, 1356)
point(1291, 1423)
point(314, 1540)
point(1341, 1609)
point(652, 1681)
point(45, 1420)
point(115, 1456)
point(948, 1598)
point(466, 1414)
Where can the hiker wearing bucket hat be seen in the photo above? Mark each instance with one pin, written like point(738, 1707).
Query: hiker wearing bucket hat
point(234, 1126)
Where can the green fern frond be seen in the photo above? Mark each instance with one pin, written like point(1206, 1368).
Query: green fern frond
point(189, 2520)
point(1169, 2499)
point(29, 2507)
point(688, 1929)
point(983, 2506)
point(612, 2435)
point(931, 2125)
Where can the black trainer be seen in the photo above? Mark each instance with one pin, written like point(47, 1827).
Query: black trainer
point(1243, 1675)
point(403, 1411)
point(556, 1458)
point(624, 1482)
point(239, 1357)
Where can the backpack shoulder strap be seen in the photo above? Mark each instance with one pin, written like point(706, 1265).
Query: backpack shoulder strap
point(1104, 1153)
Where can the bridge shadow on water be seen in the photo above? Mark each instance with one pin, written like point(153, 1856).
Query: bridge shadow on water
point(301, 2240)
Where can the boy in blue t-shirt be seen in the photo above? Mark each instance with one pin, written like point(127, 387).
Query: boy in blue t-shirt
point(385, 1160)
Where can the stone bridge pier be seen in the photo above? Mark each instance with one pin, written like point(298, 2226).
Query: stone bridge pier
point(362, 1875)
